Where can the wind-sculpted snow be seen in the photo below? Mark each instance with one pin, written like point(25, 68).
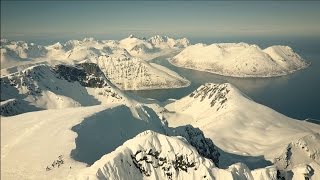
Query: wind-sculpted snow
point(240, 60)
point(46, 87)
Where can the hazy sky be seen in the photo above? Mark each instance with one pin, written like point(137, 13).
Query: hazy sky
point(175, 18)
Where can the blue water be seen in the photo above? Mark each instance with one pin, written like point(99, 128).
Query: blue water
point(295, 95)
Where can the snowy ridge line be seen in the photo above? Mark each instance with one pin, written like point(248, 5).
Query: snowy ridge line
point(124, 62)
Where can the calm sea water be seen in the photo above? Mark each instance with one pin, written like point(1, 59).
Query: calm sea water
point(295, 95)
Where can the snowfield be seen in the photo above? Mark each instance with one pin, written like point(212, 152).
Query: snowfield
point(240, 60)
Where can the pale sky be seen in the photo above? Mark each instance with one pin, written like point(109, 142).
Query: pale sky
point(77, 19)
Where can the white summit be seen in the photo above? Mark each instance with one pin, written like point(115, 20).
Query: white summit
point(240, 59)
point(238, 125)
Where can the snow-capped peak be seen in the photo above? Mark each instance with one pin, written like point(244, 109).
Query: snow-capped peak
point(151, 155)
point(158, 39)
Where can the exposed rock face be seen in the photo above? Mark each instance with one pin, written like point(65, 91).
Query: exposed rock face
point(129, 73)
point(144, 158)
point(151, 155)
point(87, 74)
point(13, 107)
point(217, 93)
point(46, 87)
point(196, 138)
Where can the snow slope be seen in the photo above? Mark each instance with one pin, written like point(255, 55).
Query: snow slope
point(182, 152)
point(48, 137)
point(34, 144)
point(240, 126)
point(130, 73)
point(152, 47)
point(240, 59)
point(45, 87)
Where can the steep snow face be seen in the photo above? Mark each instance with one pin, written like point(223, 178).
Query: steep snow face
point(44, 87)
point(151, 156)
point(240, 60)
point(240, 126)
point(130, 73)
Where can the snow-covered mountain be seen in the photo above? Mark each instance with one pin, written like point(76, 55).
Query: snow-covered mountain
point(151, 155)
point(131, 73)
point(14, 53)
point(120, 60)
point(46, 87)
point(240, 59)
point(152, 47)
point(115, 137)
point(100, 130)
point(241, 126)
point(63, 116)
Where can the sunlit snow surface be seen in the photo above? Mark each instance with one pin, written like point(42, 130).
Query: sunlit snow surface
point(240, 59)
point(62, 110)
